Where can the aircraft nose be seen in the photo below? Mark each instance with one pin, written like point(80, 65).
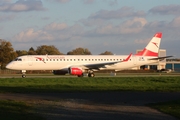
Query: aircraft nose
point(9, 66)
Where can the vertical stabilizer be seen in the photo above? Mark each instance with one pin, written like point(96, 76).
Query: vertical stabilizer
point(152, 48)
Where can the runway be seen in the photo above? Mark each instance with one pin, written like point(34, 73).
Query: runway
point(97, 75)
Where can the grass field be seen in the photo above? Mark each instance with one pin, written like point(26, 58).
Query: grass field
point(166, 84)
point(73, 84)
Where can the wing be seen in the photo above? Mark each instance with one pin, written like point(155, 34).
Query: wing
point(101, 65)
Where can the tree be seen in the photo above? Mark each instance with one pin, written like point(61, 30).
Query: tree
point(50, 50)
point(21, 52)
point(32, 51)
point(7, 53)
point(79, 51)
point(106, 53)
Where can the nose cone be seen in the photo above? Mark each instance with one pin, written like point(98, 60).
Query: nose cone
point(9, 66)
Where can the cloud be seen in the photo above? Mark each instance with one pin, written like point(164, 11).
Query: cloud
point(32, 35)
point(112, 3)
point(134, 25)
point(5, 1)
point(61, 1)
point(51, 32)
point(123, 12)
point(175, 22)
point(166, 10)
point(88, 1)
point(6, 17)
point(56, 26)
point(22, 5)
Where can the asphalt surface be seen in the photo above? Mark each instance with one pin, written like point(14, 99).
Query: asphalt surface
point(96, 105)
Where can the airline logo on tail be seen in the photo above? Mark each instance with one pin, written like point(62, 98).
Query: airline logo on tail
point(152, 48)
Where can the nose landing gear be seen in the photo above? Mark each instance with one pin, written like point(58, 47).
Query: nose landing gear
point(23, 73)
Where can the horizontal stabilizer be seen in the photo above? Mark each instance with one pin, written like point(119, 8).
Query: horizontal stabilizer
point(160, 58)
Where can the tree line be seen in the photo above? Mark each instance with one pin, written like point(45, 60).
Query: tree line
point(7, 52)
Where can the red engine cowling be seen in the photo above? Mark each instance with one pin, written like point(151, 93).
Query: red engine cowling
point(75, 71)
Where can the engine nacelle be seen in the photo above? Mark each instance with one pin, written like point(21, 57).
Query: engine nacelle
point(60, 72)
point(76, 71)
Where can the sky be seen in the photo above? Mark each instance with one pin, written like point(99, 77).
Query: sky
point(119, 26)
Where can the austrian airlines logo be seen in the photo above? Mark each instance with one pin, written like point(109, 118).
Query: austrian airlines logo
point(41, 59)
point(155, 44)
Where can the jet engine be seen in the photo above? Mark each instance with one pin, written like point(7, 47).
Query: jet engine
point(76, 71)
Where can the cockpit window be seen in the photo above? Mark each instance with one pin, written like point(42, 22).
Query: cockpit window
point(18, 59)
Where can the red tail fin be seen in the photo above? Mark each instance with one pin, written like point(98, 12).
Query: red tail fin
point(152, 48)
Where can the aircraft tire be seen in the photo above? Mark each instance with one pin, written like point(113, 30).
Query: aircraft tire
point(23, 76)
point(91, 75)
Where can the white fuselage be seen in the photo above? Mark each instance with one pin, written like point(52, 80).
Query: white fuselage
point(62, 62)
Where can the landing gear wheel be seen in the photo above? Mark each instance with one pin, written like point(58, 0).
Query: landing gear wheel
point(91, 75)
point(23, 75)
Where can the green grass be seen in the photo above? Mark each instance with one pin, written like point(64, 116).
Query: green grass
point(19, 85)
point(13, 110)
point(171, 108)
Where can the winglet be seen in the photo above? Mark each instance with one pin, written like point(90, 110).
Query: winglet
point(127, 58)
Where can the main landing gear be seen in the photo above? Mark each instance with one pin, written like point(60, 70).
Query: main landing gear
point(23, 73)
point(91, 73)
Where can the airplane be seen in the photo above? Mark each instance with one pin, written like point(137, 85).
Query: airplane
point(80, 64)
